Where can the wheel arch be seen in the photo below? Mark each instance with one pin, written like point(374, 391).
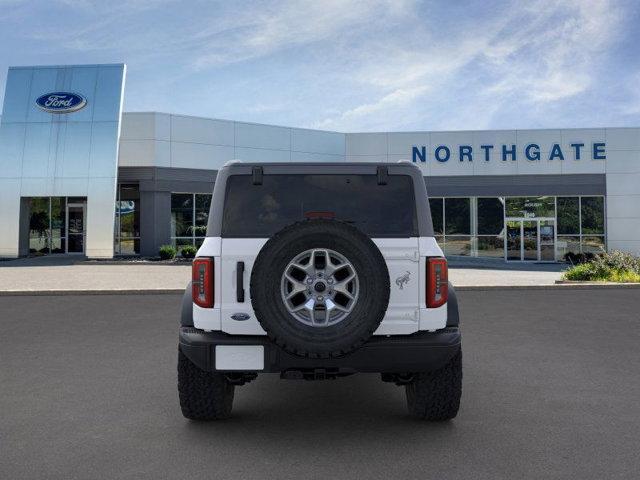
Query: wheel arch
point(453, 313)
point(186, 312)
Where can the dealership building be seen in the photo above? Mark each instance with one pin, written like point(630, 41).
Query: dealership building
point(80, 176)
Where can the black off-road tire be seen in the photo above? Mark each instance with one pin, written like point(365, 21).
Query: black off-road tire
point(203, 395)
point(305, 340)
point(435, 396)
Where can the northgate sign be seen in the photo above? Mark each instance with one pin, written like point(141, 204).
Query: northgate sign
point(531, 152)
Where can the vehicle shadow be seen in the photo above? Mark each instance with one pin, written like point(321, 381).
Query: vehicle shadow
point(357, 408)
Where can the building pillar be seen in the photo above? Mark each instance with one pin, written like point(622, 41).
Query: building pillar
point(9, 217)
point(155, 220)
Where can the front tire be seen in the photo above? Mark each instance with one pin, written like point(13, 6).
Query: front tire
point(203, 395)
point(435, 396)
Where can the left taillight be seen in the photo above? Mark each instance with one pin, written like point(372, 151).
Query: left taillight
point(437, 282)
point(202, 282)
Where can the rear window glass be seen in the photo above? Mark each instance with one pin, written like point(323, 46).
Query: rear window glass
point(262, 210)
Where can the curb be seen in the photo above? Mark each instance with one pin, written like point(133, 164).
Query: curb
point(581, 282)
point(156, 291)
point(179, 263)
point(551, 286)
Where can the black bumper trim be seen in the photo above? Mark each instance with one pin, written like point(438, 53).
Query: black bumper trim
point(419, 352)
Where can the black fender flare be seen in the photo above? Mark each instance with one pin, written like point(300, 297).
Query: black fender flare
point(186, 313)
point(453, 314)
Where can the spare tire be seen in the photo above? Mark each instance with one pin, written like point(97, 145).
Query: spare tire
point(320, 288)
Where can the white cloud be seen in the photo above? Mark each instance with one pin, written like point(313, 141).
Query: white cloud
point(283, 25)
point(551, 56)
point(350, 64)
point(398, 98)
point(541, 53)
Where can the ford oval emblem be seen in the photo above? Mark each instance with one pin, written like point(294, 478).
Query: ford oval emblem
point(61, 102)
point(240, 317)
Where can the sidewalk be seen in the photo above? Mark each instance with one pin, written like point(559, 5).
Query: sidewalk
point(64, 274)
point(68, 274)
point(495, 273)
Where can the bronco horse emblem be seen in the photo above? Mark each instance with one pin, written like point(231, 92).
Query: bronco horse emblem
point(403, 279)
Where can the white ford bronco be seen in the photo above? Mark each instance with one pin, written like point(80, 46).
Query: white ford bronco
point(318, 271)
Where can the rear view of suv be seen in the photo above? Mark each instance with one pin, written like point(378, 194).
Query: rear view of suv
point(318, 271)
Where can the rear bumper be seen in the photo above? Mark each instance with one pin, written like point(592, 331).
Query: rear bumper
point(419, 352)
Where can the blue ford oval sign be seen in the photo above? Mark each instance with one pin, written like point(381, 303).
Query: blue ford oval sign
point(61, 102)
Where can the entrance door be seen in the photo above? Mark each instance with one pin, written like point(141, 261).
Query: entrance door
point(530, 240)
point(547, 240)
point(75, 227)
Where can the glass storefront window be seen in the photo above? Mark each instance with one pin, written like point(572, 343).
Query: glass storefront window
point(129, 211)
point(39, 225)
point(58, 217)
point(593, 244)
point(568, 216)
point(435, 205)
point(181, 214)
point(203, 202)
point(457, 216)
point(128, 246)
point(582, 218)
point(490, 216)
point(541, 228)
point(592, 214)
point(58, 244)
point(127, 227)
point(567, 244)
point(48, 229)
point(457, 245)
point(530, 207)
point(490, 246)
point(189, 217)
point(181, 242)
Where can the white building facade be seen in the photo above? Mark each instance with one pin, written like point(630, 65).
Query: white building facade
point(516, 195)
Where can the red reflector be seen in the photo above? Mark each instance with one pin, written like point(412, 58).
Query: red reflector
point(202, 282)
point(437, 282)
point(312, 215)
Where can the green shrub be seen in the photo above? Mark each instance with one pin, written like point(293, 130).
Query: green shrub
point(167, 252)
point(615, 266)
point(617, 260)
point(188, 251)
point(624, 277)
point(582, 271)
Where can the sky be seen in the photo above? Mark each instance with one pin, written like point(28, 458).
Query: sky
point(351, 65)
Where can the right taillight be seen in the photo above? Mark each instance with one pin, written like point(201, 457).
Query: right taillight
point(437, 282)
point(202, 282)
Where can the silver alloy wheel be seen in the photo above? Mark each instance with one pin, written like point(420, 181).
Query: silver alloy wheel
point(319, 287)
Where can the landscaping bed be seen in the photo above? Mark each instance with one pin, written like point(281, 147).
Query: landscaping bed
point(137, 260)
point(167, 255)
point(614, 267)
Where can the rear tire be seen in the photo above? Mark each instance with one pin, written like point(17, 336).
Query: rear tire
point(435, 396)
point(203, 395)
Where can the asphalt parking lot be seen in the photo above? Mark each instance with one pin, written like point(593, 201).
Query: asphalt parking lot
point(551, 389)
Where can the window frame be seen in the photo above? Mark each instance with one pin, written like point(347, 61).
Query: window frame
point(117, 229)
point(442, 238)
point(195, 240)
